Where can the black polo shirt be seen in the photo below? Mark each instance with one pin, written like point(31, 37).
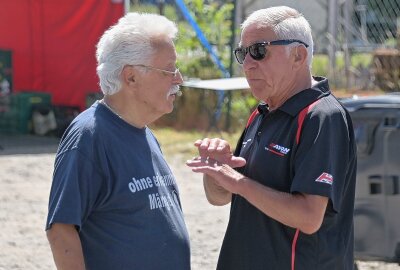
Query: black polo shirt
point(307, 145)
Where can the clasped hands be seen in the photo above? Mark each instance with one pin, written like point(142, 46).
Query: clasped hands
point(217, 161)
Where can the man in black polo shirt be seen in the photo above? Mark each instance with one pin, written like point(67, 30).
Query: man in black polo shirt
point(292, 192)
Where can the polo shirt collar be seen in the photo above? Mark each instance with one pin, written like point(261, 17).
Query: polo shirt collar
point(299, 101)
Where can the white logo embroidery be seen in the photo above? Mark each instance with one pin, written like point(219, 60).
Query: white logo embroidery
point(277, 149)
point(244, 143)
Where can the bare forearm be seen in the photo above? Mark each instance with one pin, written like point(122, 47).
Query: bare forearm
point(66, 247)
point(216, 195)
point(304, 212)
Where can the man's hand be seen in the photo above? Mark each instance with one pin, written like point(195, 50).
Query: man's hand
point(213, 153)
point(219, 150)
point(223, 175)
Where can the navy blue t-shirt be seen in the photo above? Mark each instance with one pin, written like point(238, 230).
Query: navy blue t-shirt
point(112, 181)
point(305, 146)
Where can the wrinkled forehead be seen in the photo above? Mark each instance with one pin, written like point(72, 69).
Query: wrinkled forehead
point(161, 42)
point(163, 51)
point(254, 33)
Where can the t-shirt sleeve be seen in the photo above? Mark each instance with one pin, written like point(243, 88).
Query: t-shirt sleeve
point(323, 156)
point(76, 185)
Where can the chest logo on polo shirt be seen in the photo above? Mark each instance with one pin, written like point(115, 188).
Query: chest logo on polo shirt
point(245, 142)
point(277, 149)
point(325, 178)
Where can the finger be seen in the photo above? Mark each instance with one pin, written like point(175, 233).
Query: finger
point(237, 162)
point(205, 143)
point(214, 144)
point(213, 172)
point(213, 163)
point(196, 162)
point(223, 147)
point(198, 143)
point(203, 147)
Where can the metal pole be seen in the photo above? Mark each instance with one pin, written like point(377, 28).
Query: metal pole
point(237, 17)
point(234, 24)
point(361, 8)
point(161, 6)
point(398, 33)
point(332, 37)
point(346, 49)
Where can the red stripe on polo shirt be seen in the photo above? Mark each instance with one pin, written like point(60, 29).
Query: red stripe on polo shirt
point(252, 116)
point(296, 236)
point(300, 120)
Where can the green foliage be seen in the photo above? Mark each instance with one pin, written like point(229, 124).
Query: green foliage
point(169, 10)
point(392, 42)
point(320, 65)
point(214, 20)
point(196, 107)
point(361, 59)
point(243, 103)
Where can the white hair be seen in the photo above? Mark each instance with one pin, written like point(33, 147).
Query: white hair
point(287, 23)
point(129, 42)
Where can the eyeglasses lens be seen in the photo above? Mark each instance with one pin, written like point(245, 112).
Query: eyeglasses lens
point(240, 54)
point(257, 52)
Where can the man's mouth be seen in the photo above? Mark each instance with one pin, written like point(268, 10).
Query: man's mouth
point(175, 90)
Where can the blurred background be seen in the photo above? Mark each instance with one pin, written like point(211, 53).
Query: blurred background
point(47, 74)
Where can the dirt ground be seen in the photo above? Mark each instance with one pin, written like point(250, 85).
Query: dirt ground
point(26, 165)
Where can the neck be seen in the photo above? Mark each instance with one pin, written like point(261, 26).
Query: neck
point(291, 89)
point(119, 107)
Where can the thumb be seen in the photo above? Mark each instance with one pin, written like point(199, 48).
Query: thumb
point(236, 162)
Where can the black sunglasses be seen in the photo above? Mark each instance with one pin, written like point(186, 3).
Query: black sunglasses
point(258, 50)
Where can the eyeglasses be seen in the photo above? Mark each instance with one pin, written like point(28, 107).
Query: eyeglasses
point(165, 72)
point(258, 50)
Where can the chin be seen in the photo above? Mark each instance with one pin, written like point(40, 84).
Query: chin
point(257, 93)
point(169, 109)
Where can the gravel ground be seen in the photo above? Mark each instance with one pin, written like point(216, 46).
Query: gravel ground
point(25, 178)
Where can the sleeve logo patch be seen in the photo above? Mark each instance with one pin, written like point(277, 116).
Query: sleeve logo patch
point(325, 178)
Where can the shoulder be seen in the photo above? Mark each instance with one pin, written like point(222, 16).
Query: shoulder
point(328, 110)
point(151, 138)
point(83, 132)
point(329, 117)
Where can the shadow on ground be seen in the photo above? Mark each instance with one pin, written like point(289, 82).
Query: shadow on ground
point(27, 144)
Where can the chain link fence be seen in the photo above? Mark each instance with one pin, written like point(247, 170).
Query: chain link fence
point(360, 38)
point(368, 29)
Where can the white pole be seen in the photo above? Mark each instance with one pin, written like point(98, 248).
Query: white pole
point(127, 6)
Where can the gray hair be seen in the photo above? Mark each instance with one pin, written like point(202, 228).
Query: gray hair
point(287, 23)
point(129, 42)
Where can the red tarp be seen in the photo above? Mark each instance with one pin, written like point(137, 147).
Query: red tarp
point(53, 44)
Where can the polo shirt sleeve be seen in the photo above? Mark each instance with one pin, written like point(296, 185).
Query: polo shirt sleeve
point(323, 154)
point(76, 185)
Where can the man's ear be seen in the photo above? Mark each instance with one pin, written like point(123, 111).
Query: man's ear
point(300, 56)
point(128, 75)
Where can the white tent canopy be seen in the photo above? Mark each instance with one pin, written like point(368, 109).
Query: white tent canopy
point(237, 83)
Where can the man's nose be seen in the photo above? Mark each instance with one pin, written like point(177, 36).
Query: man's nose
point(248, 62)
point(178, 78)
